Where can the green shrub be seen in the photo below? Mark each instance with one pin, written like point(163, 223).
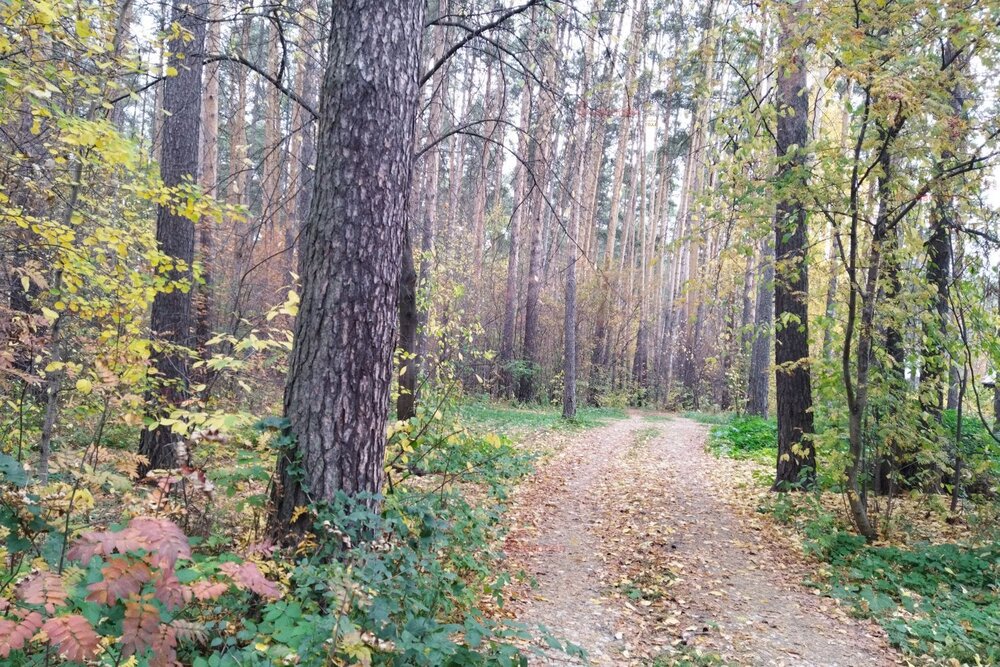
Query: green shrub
point(745, 437)
point(936, 600)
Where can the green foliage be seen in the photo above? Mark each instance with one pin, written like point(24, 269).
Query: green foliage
point(745, 437)
point(937, 600)
point(689, 656)
point(406, 584)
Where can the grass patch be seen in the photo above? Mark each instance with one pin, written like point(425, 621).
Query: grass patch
point(710, 417)
point(688, 656)
point(641, 439)
point(745, 437)
point(518, 420)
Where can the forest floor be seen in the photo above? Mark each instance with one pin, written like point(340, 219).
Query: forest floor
point(642, 553)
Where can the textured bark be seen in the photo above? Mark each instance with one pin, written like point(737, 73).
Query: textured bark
point(793, 386)
point(171, 319)
point(340, 371)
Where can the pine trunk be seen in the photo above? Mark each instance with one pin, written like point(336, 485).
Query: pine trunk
point(340, 370)
point(171, 319)
point(793, 381)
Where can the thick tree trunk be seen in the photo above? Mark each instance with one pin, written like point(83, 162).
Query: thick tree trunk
point(171, 320)
point(793, 386)
point(340, 371)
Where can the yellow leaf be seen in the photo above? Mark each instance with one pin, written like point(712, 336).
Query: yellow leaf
point(84, 386)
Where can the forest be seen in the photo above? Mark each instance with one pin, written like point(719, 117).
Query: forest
point(499, 332)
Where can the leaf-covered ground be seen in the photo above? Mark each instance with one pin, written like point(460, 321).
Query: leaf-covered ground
point(644, 552)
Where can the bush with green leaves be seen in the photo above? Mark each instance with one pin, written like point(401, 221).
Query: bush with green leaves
point(939, 600)
point(403, 585)
point(745, 437)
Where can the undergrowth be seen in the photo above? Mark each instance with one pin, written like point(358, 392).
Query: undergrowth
point(937, 601)
point(419, 582)
point(745, 437)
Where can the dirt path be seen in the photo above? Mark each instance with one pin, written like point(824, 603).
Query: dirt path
point(639, 552)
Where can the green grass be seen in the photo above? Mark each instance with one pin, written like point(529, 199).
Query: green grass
point(517, 420)
point(710, 417)
point(688, 656)
point(745, 437)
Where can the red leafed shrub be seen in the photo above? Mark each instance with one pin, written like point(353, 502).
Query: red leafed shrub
point(138, 584)
point(141, 626)
point(123, 577)
point(248, 576)
point(72, 636)
point(14, 634)
point(161, 538)
point(44, 589)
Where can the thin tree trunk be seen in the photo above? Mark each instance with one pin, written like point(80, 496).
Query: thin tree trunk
point(209, 177)
point(513, 257)
point(544, 148)
point(760, 351)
